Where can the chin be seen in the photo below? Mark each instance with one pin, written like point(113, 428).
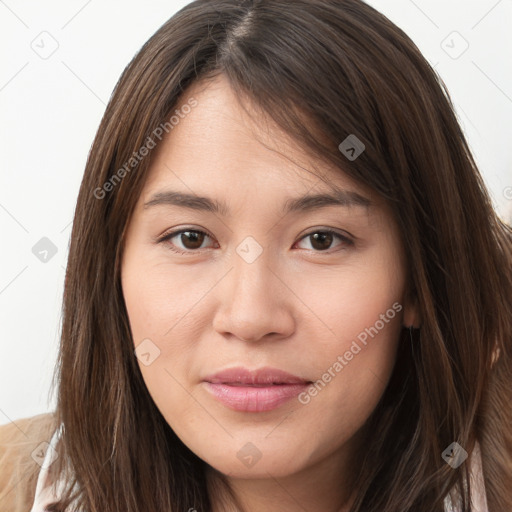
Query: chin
point(247, 462)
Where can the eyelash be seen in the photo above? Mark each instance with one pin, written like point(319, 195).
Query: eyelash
point(167, 237)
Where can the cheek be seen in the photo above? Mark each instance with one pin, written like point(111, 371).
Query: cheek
point(153, 311)
point(356, 331)
point(353, 373)
point(156, 319)
point(162, 302)
point(343, 304)
point(351, 378)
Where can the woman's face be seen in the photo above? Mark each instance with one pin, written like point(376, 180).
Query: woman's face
point(266, 286)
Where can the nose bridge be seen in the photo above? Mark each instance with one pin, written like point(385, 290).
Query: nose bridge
point(253, 304)
point(252, 276)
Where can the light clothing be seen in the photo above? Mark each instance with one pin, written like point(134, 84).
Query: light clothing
point(45, 492)
point(478, 496)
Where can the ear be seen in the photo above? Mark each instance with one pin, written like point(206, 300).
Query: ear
point(412, 314)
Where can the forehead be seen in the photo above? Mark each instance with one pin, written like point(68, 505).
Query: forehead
point(235, 164)
point(218, 141)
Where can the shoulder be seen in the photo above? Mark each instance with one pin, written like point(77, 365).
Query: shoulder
point(22, 446)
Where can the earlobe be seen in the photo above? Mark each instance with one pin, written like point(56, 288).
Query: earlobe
point(412, 314)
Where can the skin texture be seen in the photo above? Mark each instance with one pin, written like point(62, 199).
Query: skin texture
point(295, 307)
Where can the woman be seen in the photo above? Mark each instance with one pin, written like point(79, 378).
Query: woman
point(287, 288)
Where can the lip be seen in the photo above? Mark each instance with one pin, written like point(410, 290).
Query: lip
point(258, 390)
point(243, 376)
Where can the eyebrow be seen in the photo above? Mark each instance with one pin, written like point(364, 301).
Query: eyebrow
point(308, 202)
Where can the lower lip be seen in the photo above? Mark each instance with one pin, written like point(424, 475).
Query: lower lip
point(252, 398)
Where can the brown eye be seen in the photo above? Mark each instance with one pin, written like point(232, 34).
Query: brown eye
point(187, 240)
point(192, 239)
point(322, 240)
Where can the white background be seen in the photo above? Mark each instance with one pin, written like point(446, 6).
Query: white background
point(50, 109)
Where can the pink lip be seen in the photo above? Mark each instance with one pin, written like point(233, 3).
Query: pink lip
point(254, 391)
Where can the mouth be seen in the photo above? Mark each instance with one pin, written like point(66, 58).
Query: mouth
point(265, 376)
point(241, 384)
point(260, 390)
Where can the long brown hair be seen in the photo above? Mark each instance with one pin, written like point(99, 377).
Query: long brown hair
point(322, 70)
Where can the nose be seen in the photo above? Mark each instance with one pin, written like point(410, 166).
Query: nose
point(254, 302)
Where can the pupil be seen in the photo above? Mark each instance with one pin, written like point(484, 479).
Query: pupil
point(322, 237)
point(194, 237)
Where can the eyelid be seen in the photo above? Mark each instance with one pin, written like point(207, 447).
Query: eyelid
point(322, 229)
point(175, 232)
point(345, 237)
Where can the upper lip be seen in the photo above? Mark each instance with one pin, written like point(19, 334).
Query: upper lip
point(266, 375)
